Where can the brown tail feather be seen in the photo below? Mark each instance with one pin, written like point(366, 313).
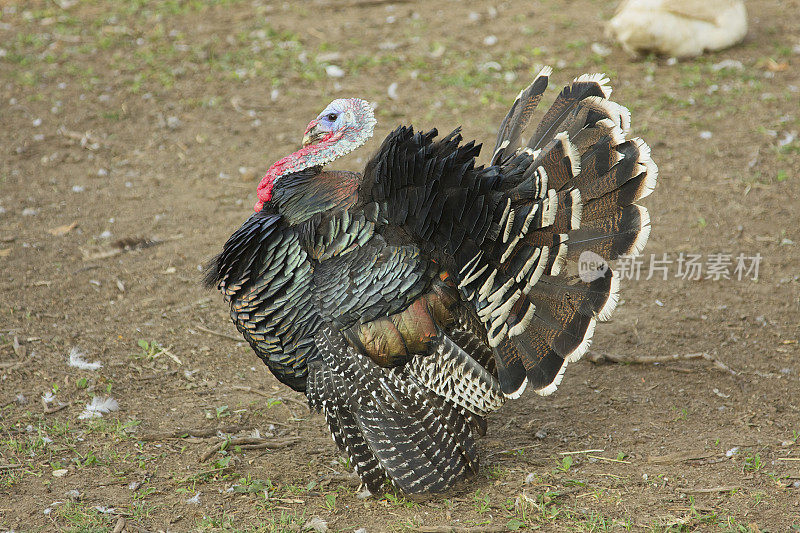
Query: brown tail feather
point(576, 194)
point(566, 104)
point(518, 116)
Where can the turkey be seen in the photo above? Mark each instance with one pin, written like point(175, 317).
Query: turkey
point(412, 299)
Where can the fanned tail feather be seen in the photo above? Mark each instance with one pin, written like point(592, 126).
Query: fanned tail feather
point(576, 193)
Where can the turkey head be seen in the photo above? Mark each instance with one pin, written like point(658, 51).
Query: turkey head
point(343, 126)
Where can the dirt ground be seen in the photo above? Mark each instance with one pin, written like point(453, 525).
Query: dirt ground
point(132, 137)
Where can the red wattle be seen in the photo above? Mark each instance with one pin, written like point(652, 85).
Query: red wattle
point(264, 191)
point(291, 163)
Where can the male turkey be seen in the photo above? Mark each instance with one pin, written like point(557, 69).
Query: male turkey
point(411, 300)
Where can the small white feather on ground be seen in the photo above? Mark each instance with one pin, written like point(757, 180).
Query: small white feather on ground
point(98, 407)
point(316, 524)
point(76, 359)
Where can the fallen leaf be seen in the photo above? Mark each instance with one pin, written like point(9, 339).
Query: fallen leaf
point(774, 66)
point(5, 252)
point(60, 231)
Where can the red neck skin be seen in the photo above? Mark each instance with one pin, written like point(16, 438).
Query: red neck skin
point(303, 158)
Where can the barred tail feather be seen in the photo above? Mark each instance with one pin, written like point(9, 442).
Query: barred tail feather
point(452, 373)
point(577, 194)
point(323, 389)
point(623, 231)
point(567, 104)
point(387, 422)
point(518, 116)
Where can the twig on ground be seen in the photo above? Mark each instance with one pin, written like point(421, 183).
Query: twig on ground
point(167, 352)
point(133, 525)
point(200, 433)
point(86, 140)
point(123, 245)
point(248, 443)
point(203, 473)
point(11, 467)
point(362, 4)
point(608, 475)
point(580, 451)
point(513, 450)
point(710, 490)
point(120, 525)
point(283, 399)
point(282, 424)
point(17, 364)
point(599, 358)
point(271, 445)
point(680, 457)
point(21, 351)
point(157, 376)
point(50, 409)
point(263, 394)
point(186, 307)
point(296, 402)
point(609, 459)
point(245, 388)
point(461, 529)
point(219, 334)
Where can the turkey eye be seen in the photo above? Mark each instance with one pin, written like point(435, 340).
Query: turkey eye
point(331, 117)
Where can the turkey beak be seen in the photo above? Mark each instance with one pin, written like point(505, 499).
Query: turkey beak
point(312, 134)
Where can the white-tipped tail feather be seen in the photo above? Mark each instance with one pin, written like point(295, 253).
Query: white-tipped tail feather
point(550, 207)
point(644, 234)
point(617, 113)
point(572, 152)
point(577, 209)
point(576, 354)
point(546, 71)
point(583, 347)
point(617, 135)
point(613, 298)
point(598, 78)
point(646, 161)
point(517, 393)
point(561, 256)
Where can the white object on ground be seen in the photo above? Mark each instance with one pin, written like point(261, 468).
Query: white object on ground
point(678, 28)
